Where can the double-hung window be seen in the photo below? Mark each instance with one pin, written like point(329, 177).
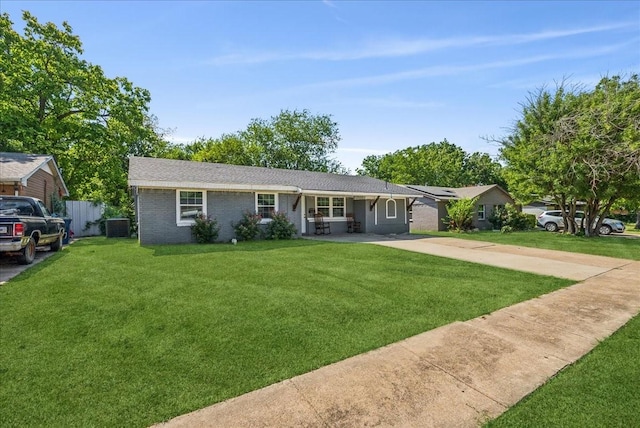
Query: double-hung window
point(266, 204)
point(481, 212)
point(330, 207)
point(189, 205)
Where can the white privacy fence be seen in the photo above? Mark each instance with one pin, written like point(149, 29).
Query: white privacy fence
point(81, 213)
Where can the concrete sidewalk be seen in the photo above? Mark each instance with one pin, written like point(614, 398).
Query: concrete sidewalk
point(461, 374)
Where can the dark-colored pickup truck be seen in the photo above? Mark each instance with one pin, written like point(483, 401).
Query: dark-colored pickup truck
point(26, 223)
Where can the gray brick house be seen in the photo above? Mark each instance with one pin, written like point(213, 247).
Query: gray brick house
point(168, 193)
point(429, 210)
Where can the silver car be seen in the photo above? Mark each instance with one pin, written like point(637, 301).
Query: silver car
point(552, 221)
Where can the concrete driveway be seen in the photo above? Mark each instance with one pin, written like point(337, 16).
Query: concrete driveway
point(459, 375)
point(9, 266)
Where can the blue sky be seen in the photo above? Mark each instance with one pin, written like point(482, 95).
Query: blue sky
point(391, 74)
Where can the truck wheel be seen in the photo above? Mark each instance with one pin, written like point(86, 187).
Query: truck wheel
point(28, 253)
point(57, 244)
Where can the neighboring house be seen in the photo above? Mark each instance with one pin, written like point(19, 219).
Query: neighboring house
point(429, 210)
point(537, 207)
point(169, 193)
point(37, 176)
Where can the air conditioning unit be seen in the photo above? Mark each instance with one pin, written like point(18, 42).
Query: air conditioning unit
point(117, 228)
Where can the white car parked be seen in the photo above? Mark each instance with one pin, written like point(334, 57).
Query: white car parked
point(552, 221)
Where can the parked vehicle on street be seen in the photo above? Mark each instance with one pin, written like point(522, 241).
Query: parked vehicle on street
point(25, 223)
point(552, 221)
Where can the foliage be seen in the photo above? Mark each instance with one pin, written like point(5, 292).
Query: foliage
point(460, 214)
point(248, 228)
point(576, 145)
point(435, 164)
point(509, 216)
point(83, 344)
point(280, 227)
point(54, 102)
point(292, 140)
point(205, 229)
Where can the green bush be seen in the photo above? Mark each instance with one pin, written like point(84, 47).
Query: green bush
point(280, 227)
point(248, 228)
point(509, 216)
point(460, 214)
point(205, 230)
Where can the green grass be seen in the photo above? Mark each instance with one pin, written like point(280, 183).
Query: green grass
point(631, 228)
point(600, 390)
point(108, 333)
point(611, 246)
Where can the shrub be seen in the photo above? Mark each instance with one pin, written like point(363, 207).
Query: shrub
point(460, 214)
point(506, 229)
point(205, 230)
point(248, 228)
point(509, 216)
point(280, 227)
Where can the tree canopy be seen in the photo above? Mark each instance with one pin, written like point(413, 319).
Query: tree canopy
point(54, 102)
point(291, 140)
point(578, 146)
point(435, 164)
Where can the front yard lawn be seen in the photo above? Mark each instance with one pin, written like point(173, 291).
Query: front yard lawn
point(108, 333)
point(611, 246)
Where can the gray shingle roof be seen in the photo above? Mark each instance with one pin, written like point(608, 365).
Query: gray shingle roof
point(19, 166)
point(154, 172)
point(447, 193)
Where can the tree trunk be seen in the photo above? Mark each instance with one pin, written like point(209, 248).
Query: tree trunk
point(638, 220)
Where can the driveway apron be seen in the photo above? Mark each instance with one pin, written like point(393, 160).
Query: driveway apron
point(459, 375)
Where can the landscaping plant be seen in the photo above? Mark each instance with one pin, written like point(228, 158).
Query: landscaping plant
point(205, 230)
point(248, 228)
point(280, 227)
point(460, 214)
point(509, 217)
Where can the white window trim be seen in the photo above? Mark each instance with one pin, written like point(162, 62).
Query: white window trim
point(275, 203)
point(331, 207)
point(395, 208)
point(181, 222)
point(483, 212)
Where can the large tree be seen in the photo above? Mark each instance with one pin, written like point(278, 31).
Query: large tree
point(291, 140)
point(54, 102)
point(435, 164)
point(578, 146)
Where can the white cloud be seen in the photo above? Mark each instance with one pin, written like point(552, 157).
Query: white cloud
point(404, 47)
point(448, 70)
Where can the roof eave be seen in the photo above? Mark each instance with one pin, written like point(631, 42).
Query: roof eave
point(153, 184)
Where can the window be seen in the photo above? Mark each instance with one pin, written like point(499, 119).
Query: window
point(323, 206)
point(338, 207)
point(481, 212)
point(330, 207)
point(266, 204)
point(190, 204)
point(391, 208)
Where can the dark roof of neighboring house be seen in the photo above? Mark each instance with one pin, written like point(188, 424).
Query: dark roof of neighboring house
point(448, 193)
point(20, 167)
point(169, 173)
